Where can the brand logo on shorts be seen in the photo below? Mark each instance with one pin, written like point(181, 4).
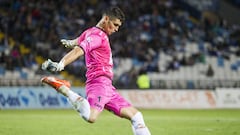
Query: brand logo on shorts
point(98, 106)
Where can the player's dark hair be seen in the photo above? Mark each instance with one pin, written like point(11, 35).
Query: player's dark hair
point(115, 12)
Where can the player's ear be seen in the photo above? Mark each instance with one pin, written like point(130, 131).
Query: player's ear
point(106, 18)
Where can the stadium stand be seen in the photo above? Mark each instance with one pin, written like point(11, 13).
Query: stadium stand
point(176, 44)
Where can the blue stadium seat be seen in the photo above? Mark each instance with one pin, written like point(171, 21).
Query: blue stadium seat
point(220, 61)
point(2, 70)
point(234, 67)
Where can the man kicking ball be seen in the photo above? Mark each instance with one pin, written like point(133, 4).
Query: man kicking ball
point(94, 44)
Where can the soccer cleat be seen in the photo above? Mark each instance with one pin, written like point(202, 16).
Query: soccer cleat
point(55, 83)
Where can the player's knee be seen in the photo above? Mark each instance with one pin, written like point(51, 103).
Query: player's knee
point(92, 119)
point(94, 113)
point(89, 119)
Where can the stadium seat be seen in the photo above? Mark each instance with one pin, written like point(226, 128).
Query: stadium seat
point(220, 61)
point(2, 71)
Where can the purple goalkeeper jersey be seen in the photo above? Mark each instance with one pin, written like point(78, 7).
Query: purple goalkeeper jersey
point(98, 55)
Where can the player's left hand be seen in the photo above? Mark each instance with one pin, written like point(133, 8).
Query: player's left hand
point(67, 43)
point(51, 66)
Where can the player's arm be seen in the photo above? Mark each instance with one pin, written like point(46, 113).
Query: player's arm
point(71, 56)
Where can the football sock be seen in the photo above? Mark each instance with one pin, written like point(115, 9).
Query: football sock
point(79, 103)
point(73, 96)
point(138, 125)
point(142, 131)
point(64, 90)
point(133, 129)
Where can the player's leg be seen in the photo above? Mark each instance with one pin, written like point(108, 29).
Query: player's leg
point(79, 103)
point(136, 118)
point(124, 109)
point(85, 110)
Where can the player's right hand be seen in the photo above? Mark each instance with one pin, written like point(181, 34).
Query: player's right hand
point(67, 43)
point(51, 66)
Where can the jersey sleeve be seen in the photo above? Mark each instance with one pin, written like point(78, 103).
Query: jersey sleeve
point(90, 42)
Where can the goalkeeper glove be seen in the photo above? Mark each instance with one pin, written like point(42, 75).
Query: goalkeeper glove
point(51, 66)
point(68, 43)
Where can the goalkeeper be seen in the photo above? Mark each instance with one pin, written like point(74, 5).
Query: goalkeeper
point(94, 44)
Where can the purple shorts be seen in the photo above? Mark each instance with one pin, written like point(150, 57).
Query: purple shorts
point(101, 94)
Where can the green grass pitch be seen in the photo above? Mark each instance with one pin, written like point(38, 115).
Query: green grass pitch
point(160, 122)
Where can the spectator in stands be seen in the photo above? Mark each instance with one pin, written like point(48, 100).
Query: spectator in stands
point(127, 80)
point(16, 56)
point(143, 81)
point(174, 64)
point(210, 71)
point(157, 25)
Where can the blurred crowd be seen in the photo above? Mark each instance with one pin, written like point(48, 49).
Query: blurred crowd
point(151, 27)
